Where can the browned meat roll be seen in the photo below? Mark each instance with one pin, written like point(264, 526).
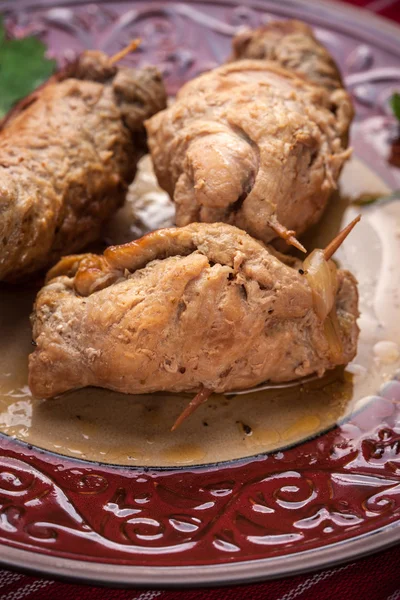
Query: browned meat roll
point(256, 143)
point(203, 306)
point(67, 155)
point(292, 45)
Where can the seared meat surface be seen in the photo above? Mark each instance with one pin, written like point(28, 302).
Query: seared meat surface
point(293, 46)
point(256, 143)
point(67, 155)
point(203, 305)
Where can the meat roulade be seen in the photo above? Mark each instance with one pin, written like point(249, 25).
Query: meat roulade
point(203, 306)
point(259, 142)
point(67, 155)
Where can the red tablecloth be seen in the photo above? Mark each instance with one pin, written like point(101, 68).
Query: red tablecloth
point(373, 578)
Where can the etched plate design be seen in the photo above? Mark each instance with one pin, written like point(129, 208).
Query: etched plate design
point(323, 492)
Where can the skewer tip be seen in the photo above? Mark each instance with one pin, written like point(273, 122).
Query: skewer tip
point(202, 396)
point(286, 234)
point(339, 239)
point(131, 47)
point(295, 242)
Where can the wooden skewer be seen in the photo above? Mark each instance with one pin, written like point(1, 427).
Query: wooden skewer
point(201, 397)
point(131, 47)
point(287, 234)
point(339, 239)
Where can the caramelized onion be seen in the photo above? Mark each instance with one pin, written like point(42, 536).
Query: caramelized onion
point(321, 275)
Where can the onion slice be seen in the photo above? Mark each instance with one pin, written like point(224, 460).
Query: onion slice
point(321, 275)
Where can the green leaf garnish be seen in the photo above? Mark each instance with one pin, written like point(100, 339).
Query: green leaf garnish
point(23, 67)
point(366, 199)
point(395, 104)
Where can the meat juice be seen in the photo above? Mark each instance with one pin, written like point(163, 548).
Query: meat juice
point(100, 425)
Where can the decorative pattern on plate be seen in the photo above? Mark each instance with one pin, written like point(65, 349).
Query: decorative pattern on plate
point(342, 481)
point(345, 483)
point(185, 39)
point(171, 33)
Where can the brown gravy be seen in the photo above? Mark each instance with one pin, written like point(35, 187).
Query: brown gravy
point(100, 425)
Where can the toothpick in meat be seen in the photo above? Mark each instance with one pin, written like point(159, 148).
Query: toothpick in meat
point(131, 47)
point(201, 397)
point(339, 239)
point(287, 234)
